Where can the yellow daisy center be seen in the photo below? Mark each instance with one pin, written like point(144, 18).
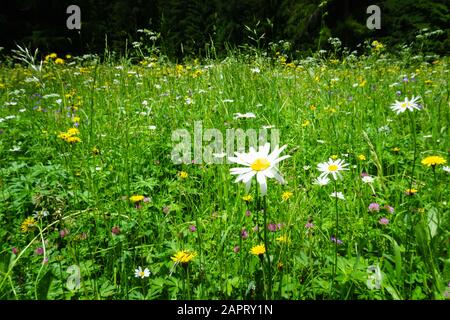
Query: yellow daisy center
point(260, 164)
point(332, 167)
point(404, 105)
point(141, 274)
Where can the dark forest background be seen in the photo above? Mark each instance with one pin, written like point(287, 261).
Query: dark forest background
point(195, 27)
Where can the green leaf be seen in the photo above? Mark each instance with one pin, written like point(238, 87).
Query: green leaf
point(44, 285)
point(433, 221)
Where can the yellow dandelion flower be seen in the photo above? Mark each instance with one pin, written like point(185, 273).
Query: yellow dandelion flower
point(197, 73)
point(183, 256)
point(183, 174)
point(305, 123)
point(396, 149)
point(411, 191)
point(59, 61)
point(362, 83)
point(286, 195)
point(290, 65)
point(63, 135)
point(247, 198)
point(68, 56)
point(73, 132)
point(283, 239)
point(428, 82)
point(312, 107)
point(334, 156)
point(179, 69)
point(433, 161)
point(73, 139)
point(76, 119)
point(136, 198)
point(51, 56)
point(362, 157)
point(28, 225)
point(257, 250)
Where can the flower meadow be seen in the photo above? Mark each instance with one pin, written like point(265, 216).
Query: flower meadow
point(351, 204)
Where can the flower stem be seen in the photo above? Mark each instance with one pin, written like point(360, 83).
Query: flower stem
point(413, 129)
point(269, 285)
point(411, 225)
point(336, 233)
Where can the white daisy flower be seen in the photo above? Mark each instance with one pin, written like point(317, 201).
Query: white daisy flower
point(259, 163)
point(139, 273)
point(151, 127)
point(402, 106)
point(338, 195)
point(255, 70)
point(332, 167)
point(321, 181)
point(368, 179)
point(245, 115)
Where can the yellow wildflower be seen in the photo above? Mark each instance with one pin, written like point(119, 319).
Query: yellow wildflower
point(183, 256)
point(183, 174)
point(258, 250)
point(28, 225)
point(136, 198)
point(433, 161)
point(286, 195)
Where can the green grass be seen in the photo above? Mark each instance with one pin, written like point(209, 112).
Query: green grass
point(322, 107)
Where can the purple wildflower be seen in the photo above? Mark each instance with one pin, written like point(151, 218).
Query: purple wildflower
point(248, 213)
point(384, 221)
point(374, 207)
point(39, 251)
point(115, 230)
point(338, 241)
point(63, 233)
point(192, 228)
point(272, 227)
point(244, 233)
point(236, 249)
